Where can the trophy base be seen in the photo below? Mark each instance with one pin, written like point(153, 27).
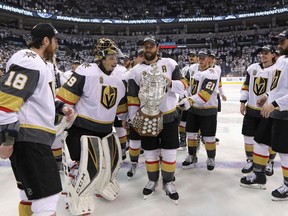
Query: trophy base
point(147, 125)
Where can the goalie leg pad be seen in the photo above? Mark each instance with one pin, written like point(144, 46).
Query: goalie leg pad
point(80, 191)
point(109, 188)
point(79, 205)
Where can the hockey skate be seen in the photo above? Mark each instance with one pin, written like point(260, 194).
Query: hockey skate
point(255, 181)
point(248, 167)
point(169, 188)
point(280, 194)
point(131, 172)
point(182, 142)
point(269, 168)
point(189, 162)
point(210, 164)
point(149, 189)
point(123, 151)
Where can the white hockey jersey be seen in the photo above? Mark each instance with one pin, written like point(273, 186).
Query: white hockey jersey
point(27, 94)
point(96, 97)
point(220, 87)
point(185, 70)
point(203, 86)
point(279, 88)
point(256, 84)
point(65, 76)
point(171, 70)
point(120, 72)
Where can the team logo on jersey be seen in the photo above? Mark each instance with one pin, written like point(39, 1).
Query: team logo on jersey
point(194, 86)
point(30, 54)
point(108, 96)
point(260, 85)
point(275, 79)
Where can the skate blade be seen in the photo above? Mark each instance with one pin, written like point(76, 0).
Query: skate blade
point(148, 196)
point(279, 199)
point(210, 170)
point(182, 149)
point(189, 167)
point(171, 200)
point(255, 186)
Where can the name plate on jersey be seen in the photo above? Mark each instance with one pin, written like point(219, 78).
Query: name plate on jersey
point(148, 125)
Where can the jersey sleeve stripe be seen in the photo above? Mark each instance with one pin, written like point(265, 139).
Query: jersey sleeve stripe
point(122, 108)
point(185, 83)
point(205, 96)
point(133, 101)
point(10, 102)
point(67, 96)
point(5, 109)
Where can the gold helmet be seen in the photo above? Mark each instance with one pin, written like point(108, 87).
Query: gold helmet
point(104, 47)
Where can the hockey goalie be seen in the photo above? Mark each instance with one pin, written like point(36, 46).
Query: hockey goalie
point(94, 174)
point(97, 97)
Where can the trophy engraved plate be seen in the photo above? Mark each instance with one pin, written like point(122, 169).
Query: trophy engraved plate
point(149, 119)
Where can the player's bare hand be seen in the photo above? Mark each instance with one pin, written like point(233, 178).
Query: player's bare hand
point(262, 100)
point(6, 151)
point(125, 124)
point(266, 110)
point(69, 113)
point(243, 109)
point(224, 98)
point(169, 82)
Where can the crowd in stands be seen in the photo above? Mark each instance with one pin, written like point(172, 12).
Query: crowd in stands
point(235, 52)
point(136, 9)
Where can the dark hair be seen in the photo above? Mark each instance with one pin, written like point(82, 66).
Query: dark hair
point(37, 43)
point(39, 32)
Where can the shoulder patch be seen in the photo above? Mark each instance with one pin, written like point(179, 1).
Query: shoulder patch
point(29, 54)
point(86, 65)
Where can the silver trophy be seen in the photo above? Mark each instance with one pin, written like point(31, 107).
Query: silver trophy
point(149, 120)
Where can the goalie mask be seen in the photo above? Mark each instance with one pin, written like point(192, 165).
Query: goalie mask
point(104, 47)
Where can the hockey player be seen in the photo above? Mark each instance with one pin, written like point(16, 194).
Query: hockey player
point(97, 97)
point(67, 74)
point(120, 72)
point(202, 110)
point(276, 109)
point(220, 92)
point(167, 142)
point(192, 59)
point(256, 84)
point(134, 138)
point(213, 64)
point(27, 113)
point(57, 144)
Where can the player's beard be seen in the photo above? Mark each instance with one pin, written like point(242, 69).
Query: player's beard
point(49, 52)
point(151, 57)
point(284, 52)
